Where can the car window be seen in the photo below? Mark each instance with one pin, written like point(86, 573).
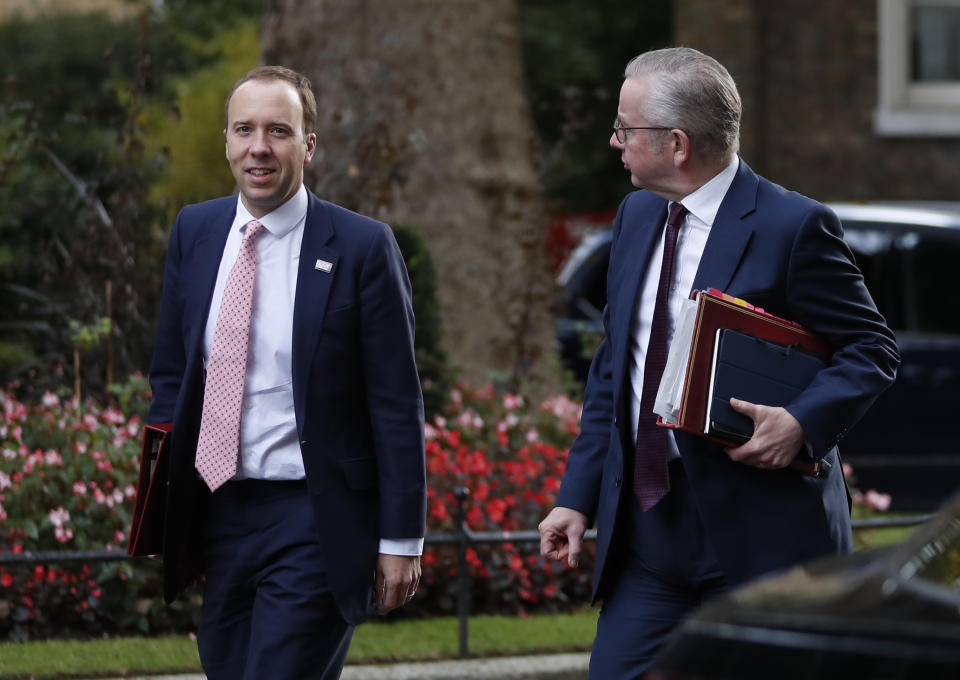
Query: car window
point(909, 275)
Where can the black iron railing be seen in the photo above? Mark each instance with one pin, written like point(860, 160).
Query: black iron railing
point(463, 538)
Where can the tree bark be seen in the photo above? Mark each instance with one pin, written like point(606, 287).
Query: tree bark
point(423, 121)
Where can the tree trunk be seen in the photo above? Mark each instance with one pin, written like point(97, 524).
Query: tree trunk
point(423, 121)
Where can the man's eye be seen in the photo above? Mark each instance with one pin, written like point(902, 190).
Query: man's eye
point(279, 131)
point(242, 129)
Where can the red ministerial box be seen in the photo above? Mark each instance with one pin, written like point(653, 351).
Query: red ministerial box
point(716, 310)
point(146, 531)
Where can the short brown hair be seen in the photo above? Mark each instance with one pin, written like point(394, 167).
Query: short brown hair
point(298, 80)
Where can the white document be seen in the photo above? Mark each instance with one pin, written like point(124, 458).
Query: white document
point(667, 403)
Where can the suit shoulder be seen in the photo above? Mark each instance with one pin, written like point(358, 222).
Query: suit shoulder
point(346, 222)
point(207, 209)
point(770, 194)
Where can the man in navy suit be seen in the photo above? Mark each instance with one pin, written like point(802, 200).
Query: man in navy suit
point(729, 514)
point(322, 522)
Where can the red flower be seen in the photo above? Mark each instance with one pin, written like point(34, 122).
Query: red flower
point(6, 580)
point(439, 510)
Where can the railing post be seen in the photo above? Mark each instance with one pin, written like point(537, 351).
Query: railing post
point(461, 493)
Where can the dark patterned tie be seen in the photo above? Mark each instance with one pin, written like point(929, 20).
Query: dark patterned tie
point(219, 442)
point(651, 481)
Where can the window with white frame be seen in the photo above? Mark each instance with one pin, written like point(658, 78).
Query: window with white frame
point(919, 68)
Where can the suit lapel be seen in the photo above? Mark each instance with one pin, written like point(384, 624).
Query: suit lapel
point(318, 267)
point(730, 233)
point(207, 248)
point(631, 267)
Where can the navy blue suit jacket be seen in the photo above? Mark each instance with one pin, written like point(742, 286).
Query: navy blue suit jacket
point(357, 399)
point(783, 252)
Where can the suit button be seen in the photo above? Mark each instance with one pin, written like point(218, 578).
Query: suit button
point(616, 422)
point(618, 481)
point(303, 442)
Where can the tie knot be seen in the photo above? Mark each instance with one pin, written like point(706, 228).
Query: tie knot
point(253, 230)
point(677, 213)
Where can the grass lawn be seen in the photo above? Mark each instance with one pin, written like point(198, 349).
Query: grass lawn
point(401, 640)
point(405, 640)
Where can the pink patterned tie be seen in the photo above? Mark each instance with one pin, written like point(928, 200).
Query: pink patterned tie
point(651, 479)
point(219, 442)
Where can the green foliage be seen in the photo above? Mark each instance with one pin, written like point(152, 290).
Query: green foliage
point(187, 134)
point(88, 336)
point(73, 181)
point(574, 56)
point(428, 344)
point(77, 167)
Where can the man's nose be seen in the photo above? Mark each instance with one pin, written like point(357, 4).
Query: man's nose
point(260, 144)
point(614, 142)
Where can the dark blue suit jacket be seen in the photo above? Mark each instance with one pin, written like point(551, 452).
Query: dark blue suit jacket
point(357, 400)
point(782, 252)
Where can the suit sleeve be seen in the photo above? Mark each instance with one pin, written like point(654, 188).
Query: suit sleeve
point(826, 293)
point(582, 479)
point(393, 388)
point(169, 355)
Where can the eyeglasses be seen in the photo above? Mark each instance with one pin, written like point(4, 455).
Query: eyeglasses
point(621, 131)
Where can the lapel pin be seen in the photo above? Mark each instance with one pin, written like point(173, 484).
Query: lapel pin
point(323, 266)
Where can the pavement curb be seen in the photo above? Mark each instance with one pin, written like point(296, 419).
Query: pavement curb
point(534, 667)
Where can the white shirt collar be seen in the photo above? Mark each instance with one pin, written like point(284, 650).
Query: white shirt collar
point(705, 201)
point(280, 221)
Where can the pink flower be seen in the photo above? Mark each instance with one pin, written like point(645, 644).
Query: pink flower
point(877, 501)
point(512, 401)
point(3, 513)
point(79, 489)
point(9, 454)
point(89, 422)
point(4, 480)
point(52, 457)
point(50, 399)
point(532, 435)
point(112, 416)
point(59, 516)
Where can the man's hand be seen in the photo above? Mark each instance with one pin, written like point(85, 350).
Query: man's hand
point(561, 535)
point(397, 579)
point(777, 436)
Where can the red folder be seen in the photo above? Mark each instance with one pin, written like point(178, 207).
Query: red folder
point(146, 531)
point(717, 310)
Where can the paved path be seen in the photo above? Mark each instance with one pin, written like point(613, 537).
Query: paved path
point(538, 667)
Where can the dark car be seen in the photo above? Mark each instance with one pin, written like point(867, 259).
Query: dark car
point(887, 614)
point(906, 445)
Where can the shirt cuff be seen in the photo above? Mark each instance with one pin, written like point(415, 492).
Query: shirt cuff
point(410, 547)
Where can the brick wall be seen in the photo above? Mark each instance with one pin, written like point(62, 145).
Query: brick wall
point(807, 72)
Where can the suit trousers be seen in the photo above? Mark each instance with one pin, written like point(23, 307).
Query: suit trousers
point(666, 568)
point(267, 609)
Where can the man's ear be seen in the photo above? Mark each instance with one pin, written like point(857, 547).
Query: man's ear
point(681, 146)
point(226, 147)
point(311, 147)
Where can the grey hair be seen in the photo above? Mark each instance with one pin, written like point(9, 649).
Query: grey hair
point(693, 92)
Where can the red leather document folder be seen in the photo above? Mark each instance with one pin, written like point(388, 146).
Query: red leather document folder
point(146, 532)
point(693, 348)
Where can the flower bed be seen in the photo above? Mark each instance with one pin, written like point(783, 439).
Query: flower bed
point(67, 477)
point(510, 455)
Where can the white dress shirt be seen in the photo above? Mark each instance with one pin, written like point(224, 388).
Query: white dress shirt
point(702, 205)
point(269, 445)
